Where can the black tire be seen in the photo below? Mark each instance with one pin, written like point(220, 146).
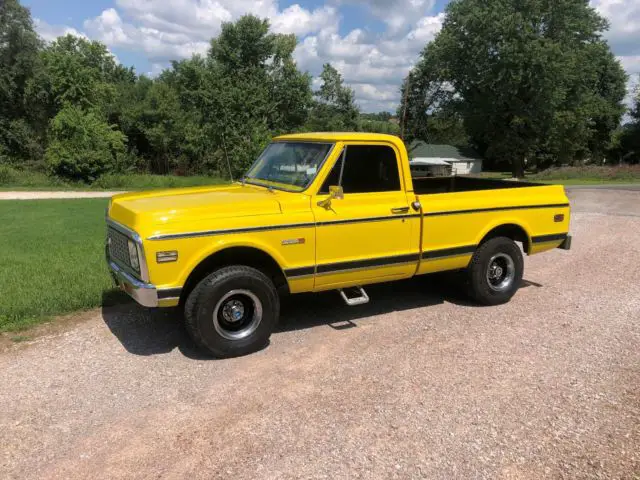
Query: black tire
point(499, 255)
point(212, 302)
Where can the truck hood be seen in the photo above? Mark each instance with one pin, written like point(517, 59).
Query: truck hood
point(154, 210)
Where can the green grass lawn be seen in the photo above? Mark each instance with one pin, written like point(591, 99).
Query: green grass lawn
point(586, 175)
point(51, 260)
point(588, 181)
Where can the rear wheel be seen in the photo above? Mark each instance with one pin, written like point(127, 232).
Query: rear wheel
point(495, 272)
point(232, 312)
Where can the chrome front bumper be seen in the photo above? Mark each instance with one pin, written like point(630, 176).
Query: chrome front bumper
point(145, 294)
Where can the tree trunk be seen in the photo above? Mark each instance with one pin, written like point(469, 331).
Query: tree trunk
point(517, 166)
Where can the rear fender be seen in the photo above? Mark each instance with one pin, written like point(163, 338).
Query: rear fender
point(504, 222)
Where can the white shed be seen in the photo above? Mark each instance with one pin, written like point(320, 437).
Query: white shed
point(463, 160)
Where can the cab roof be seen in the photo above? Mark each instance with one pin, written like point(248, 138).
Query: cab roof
point(342, 137)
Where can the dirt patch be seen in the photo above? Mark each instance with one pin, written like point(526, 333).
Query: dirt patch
point(12, 341)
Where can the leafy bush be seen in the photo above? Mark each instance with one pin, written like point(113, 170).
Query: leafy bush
point(12, 177)
point(83, 146)
point(8, 175)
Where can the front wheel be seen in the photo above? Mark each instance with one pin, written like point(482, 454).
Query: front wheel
point(232, 312)
point(495, 272)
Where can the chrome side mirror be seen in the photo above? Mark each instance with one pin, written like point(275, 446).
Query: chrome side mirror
point(335, 192)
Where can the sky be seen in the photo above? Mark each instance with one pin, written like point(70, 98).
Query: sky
point(373, 43)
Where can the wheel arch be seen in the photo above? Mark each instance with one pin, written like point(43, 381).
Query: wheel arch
point(512, 230)
point(249, 256)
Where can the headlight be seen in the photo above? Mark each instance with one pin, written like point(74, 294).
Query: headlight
point(133, 256)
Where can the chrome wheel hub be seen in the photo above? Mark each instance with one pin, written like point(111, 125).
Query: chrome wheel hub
point(233, 311)
point(501, 272)
point(496, 272)
point(237, 314)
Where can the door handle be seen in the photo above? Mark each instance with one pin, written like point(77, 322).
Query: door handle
point(400, 210)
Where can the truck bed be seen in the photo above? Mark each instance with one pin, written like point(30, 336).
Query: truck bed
point(433, 185)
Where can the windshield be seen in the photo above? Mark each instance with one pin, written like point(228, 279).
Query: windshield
point(292, 165)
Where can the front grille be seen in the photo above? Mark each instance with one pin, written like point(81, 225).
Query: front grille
point(118, 247)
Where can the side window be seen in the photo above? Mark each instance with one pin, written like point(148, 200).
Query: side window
point(367, 168)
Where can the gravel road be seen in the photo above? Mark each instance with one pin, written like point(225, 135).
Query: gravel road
point(417, 384)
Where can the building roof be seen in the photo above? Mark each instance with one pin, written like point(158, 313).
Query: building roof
point(420, 149)
point(429, 161)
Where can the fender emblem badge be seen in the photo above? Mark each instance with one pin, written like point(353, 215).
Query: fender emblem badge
point(294, 241)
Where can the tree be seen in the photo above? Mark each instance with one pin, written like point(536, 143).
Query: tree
point(19, 47)
point(379, 116)
point(83, 146)
point(584, 122)
point(259, 90)
point(335, 108)
point(525, 76)
point(79, 72)
point(70, 99)
point(628, 145)
point(366, 124)
point(424, 94)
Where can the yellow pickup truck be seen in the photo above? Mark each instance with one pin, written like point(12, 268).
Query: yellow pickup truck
point(322, 211)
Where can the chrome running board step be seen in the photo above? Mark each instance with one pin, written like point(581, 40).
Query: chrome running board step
point(354, 296)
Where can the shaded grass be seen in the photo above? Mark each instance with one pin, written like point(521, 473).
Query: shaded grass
point(27, 179)
point(13, 179)
point(20, 338)
point(591, 174)
point(588, 175)
point(51, 260)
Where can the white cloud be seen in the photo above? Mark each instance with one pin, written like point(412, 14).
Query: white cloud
point(373, 65)
point(399, 15)
point(156, 69)
point(631, 64)
point(174, 29)
point(624, 19)
point(300, 21)
point(50, 32)
point(158, 45)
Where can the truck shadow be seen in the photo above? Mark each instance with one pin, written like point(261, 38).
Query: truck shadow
point(144, 331)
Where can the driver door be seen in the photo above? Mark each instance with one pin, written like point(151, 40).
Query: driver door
point(364, 237)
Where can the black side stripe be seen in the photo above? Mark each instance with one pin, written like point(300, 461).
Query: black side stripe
point(449, 252)
point(230, 231)
point(169, 293)
point(549, 238)
point(497, 209)
point(370, 262)
point(300, 272)
point(378, 262)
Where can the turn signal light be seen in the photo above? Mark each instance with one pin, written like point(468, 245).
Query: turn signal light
point(166, 257)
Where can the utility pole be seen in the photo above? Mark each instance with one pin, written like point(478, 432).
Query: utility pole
point(404, 107)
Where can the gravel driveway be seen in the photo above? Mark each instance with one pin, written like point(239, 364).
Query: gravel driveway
point(417, 384)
